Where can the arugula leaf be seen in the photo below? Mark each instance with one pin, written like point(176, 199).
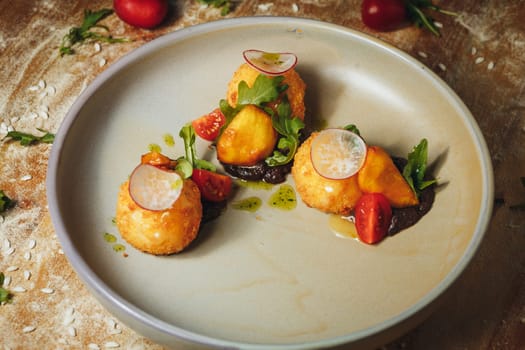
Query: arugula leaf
point(414, 171)
point(5, 203)
point(186, 164)
point(289, 128)
point(353, 128)
point(264, 89)
point(29, 139)
point(224, 5)
point(5, 295)
point(78, 35)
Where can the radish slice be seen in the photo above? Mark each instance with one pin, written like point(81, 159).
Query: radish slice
point(153, 188)
point(337, 153)
point(270, 63)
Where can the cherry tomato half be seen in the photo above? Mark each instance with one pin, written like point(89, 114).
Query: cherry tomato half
point(209, 125)
point(141, 13)
point(373, 215)
point(214, 187)
point(384, 15)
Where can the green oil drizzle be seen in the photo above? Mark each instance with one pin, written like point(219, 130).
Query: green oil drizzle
point(256, 185)
point(153, 147)
point(108, 237)
point(251, 204)
point(119, 248)
point(169, 140)
point(284, 198)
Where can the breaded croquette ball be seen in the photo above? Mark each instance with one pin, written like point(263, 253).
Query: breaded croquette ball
point(295, 92)
point(160, 232)
point(328, 195)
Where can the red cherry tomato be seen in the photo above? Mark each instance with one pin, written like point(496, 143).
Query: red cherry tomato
point(373, 215)
point(214, 187)
point(209, 125)
point(141, 13)
point(384, 15)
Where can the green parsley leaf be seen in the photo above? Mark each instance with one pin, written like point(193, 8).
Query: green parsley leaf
point(29, 139)
point(5, 295)
point(225, 5)
point(5, 204)
point(414, 171)
point(79, 35)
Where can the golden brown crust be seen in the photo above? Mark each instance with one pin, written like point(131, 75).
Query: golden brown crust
point(295, 92)
point(160, 232)
point(331, 196)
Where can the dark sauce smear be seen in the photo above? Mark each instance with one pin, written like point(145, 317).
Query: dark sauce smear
point(260, 172)
point(212, 210)
point(403, 218)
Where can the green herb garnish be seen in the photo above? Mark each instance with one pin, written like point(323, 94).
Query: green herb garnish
point(224, 5)
point(5, 203)
point(29, 139)
point(185, 165)
point(414, 171)
point(79, 35)
point(353, 128)
point(415, 10)
point(5, 295)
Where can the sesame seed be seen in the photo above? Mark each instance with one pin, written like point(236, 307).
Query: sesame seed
point(7, 281)
point(295, 8)
point(422, 54)
point(101, 62)
point(44, 108)
point(12, 268)
point(47, 290)
point(115, 331)
point(31, 244)
point(442, 67)
point(60, 251)
point(491, 65)
point(438, 24)
point(33, 88)
point(10, 128)
point(473, 51)
point(27, 275)
point(28, 329)
point(479, 60)
point(265, 7)
point(42, 94)
point(97, 47)
point(27, 256)
point(41, 84)
point(51, 90)
point(69, 319)
point(72, 331)
point(93, 346)
point(111, 345)
point(26, 177)
point(111, 323)
point(44, 115)
point(7, 243)
point(19, 289)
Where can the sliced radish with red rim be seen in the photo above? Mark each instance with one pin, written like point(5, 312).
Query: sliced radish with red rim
point(270, 63)
point(337, 153)
point(153, 188)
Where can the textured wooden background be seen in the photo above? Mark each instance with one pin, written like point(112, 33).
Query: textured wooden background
point(481, 55)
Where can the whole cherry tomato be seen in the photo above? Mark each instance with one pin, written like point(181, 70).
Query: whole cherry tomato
point(373, 215)
point(384, 15)
point(213, 186)
point(141, 13)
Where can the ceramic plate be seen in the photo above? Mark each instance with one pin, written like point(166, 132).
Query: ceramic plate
point(272, 278)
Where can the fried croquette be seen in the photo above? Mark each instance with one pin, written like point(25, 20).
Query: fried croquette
point(330, 196)
point(160, 232)
point(295, 92)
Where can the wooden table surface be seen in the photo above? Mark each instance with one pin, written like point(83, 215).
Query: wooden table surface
point(481, 55)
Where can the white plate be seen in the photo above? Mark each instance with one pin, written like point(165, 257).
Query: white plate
point(270, 278)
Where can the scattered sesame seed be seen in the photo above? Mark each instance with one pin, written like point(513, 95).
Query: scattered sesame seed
point(51, 90)
point(70, 311)
point(422, 54)
point(31, 244)
point(93, 346)
point(42, 95)
point(19, 289)
point(97, 47)
point(26, 177)
point(69, 319)
point(33, 88)
point(12, 268)
point(72, 331)
point(28, 329)
point(44, 115)
point(27, 256)
point(438, 24)
point(479, 60)
point(47, 290)
point(473, 51)
point(101, 62)
point(41, 84)
point(44, 108)
point(7, 281)
point(27, 275)
point(7, 243)
point(491, 65)
point(115, 331)
point(10, 128)
point(111, 322)
point(295, 8)
point(60, 251)
point(442, 67)
point(111, 345)
point(265, 7)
